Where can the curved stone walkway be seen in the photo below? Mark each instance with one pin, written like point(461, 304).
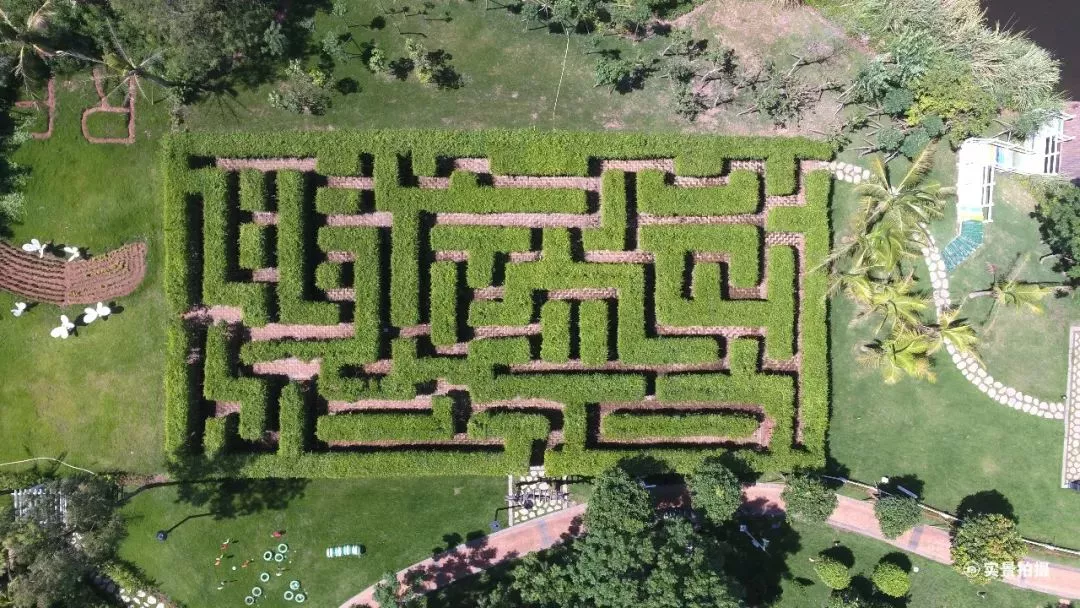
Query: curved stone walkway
point(1070, 464)
point(851, 515)
point(970, 366)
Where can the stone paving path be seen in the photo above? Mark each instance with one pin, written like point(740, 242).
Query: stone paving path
point(851, 515)
point(1070, 466)
point(970, 366)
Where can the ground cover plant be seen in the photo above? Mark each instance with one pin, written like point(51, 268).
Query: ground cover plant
point(500, 295)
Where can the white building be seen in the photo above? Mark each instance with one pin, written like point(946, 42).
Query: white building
point(980, 158)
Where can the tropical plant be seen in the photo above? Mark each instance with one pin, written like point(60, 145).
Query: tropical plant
point(891, 579)
point(905, 353)
point(897, 514)
point(832, 572)
point(913, 201)
point(896, 303)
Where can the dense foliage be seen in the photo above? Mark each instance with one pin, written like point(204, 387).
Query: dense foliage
point(808, 499)
point(626, 558)
point(1059, 220)
point(716, 490)
point(982, 539)
point(49, 556)
point(897, 514)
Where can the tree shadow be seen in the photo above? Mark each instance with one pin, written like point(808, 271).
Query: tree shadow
point(841, 554)
point(898, 558)
point(909, 482)
point(347, 86)
point(457, 563)
point(988, 502)
point(761, 571)
point(201, 484)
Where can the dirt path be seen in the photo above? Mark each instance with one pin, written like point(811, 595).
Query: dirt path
point(851, 515)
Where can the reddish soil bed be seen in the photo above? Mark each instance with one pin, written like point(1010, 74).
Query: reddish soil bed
point(54, 281)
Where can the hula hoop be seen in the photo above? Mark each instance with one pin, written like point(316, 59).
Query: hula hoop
point(294, 585)
point(300, 598)
point(265, 577)
point(250, 601)
point(269, 555)
point(256, 591)
point(283, 548)
point(279, 557)
point(288, 595)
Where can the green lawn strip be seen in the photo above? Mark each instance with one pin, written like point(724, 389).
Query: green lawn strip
point(399, 522)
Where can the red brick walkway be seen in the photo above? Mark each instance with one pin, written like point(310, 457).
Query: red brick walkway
point(851, 515)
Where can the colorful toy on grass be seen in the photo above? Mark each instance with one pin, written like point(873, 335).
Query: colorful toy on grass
point(345, 551)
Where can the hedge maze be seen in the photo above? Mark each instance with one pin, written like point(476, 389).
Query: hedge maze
point(420, 303)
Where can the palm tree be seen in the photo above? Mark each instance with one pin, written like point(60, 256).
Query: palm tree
point(913, 202)
point(899, 307)
point(905, 353)
point(951, 330)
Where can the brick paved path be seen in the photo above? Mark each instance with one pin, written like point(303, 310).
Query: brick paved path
point(851, 515)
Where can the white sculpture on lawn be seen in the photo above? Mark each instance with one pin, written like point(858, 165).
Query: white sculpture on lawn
point(64, 330)
point(98, 312)
point(20, 308)
point(35, 246)
point(73, 252)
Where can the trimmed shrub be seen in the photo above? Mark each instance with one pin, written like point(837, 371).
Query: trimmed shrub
point(891, 579)
point(254, 252)
point(985, 538)
point(832, 572)
point(809, 499)
point(897, 514)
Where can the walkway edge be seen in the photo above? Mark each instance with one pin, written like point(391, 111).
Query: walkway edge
point(851, 515)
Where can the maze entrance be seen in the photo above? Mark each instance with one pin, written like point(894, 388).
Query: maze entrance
point(409, 303)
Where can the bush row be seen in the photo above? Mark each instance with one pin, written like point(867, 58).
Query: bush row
point(742, 194)
point(627, 425)
point(555, 325)
point(437, 425)
point(295, 280)
point(254, 246)
point(444, 298)
point(484, 244)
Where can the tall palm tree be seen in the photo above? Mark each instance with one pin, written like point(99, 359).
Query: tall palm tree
point(898, 305)
point(950, 329)
point(903, 354)
point(914, 202)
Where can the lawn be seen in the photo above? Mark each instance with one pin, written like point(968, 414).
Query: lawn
point(399, 522)
point(948, 435)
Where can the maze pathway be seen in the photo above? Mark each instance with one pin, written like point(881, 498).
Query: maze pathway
point(571, 317)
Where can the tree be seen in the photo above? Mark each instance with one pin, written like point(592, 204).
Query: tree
point(832, 572)
point(982, 539)
point(303, 91)
point(51, 554)
point(619, 505)
point(809, 499)
point(389, 593)
point(913, 202)
point(627, 558)
point(228, 32)
point(716, 490)
point(905, 353)
point(891, 579)
point(897, 514)
point(619, 73)
point(1059, 222)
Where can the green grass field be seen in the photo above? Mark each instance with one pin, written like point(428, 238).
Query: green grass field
point(399, 522)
